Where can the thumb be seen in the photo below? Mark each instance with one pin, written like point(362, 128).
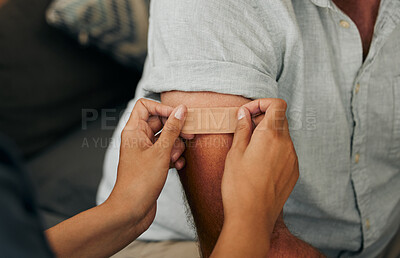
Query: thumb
point(243, 130)
point(172, 129)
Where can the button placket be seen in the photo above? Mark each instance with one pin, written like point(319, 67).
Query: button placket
point(357, 158)
point(367, 224)
point(357, 88)
point(358, 108)
point(362, 184)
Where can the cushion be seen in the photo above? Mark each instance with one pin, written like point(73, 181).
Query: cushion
point(47, 78)
point(117, 27)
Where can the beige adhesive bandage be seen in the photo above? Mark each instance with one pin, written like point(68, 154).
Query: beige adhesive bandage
point(210, 120)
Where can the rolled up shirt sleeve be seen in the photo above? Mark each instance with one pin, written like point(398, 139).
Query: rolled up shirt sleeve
point(231, 47)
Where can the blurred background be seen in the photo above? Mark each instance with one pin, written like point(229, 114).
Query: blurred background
point(66, 67)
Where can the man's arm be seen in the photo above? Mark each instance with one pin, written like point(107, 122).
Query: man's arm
point(201, 179)
point(284, 244)
point(205, 159)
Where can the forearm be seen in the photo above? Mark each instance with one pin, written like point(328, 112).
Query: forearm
point(239, 239)
point(142, 170)
point(99, 232)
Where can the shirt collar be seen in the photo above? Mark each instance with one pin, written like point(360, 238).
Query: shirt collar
point(321, 3)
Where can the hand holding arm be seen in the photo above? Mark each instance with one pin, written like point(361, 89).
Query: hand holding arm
point(261, 171)
point(143, 166)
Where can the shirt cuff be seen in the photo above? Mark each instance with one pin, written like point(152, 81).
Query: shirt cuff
point(212, 76)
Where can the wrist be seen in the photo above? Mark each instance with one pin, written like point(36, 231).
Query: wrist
point(121, 209)
point(254, 228)
point(246, 235)
point(256, 220)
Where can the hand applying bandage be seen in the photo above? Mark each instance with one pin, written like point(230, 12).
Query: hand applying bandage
point(261, 170)
point(143, 166)
point(145, 159)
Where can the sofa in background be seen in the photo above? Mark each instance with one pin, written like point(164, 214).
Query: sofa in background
point(46, 79)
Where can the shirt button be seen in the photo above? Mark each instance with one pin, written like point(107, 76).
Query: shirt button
point(357, 158)
point(367, 224)
point(344, 24)
point(357, 88)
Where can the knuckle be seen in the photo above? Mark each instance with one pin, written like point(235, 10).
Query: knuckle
point(141, 124)
point(139, 102)
point(126, 138)
point(142, 100)
point(126, 133)
point(280, 103)
point(145, 143)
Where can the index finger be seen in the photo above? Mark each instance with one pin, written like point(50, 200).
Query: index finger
point(144, 109)
point(275, 115)
point(258, 106)
point(273, 124)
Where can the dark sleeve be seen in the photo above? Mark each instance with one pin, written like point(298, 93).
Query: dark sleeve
point(21, 233)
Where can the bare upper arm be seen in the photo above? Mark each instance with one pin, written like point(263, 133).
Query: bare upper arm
point(205, 159)
point(208, 150)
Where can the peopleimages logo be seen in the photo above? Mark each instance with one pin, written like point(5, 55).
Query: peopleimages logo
point(215, 120)
point(108, 117)
point(210, 120)
point(199, 121)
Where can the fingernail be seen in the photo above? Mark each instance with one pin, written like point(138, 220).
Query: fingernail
point(179, 114)
point(241, 113)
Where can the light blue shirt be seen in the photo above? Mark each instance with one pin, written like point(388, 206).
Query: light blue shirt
point(344, 113)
